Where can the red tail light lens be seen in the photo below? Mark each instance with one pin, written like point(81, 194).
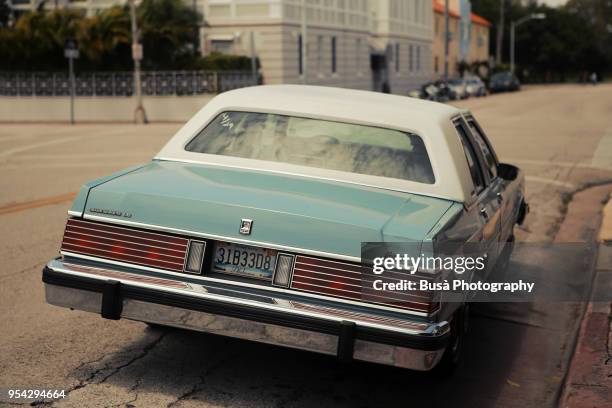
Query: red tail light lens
point(124, 244)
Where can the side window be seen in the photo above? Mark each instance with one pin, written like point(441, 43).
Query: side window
point(470, 155)
point(488, 155)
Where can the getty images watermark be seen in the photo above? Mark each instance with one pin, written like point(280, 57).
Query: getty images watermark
point(478, 272)
point(459, 265)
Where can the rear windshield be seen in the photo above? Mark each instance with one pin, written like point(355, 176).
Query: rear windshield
point(501, 75)
point(316, 143)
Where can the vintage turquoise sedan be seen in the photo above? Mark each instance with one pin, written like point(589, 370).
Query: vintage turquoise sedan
point(249, 223)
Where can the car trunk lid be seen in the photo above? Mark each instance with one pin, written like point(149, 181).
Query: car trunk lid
point(288, 211)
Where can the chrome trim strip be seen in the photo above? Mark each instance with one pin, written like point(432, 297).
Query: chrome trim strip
point(223, 238)
point(72, 213)
point(204, 278)
point(357, 315)
point(433, 329)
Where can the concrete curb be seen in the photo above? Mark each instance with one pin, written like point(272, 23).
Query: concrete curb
point(605, 234)
point(589, 377)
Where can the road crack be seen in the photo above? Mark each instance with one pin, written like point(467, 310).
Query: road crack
point(91, 377)
point(198, 386)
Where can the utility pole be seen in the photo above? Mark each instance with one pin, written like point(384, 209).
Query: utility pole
point(140, 116)
point(446, 38)
point(500, 34)
point(303, 50)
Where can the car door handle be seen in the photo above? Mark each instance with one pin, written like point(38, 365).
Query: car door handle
point(484, 213)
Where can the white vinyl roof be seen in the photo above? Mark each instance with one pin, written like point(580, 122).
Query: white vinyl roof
point(430, 120)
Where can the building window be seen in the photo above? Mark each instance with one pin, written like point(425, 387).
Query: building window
point(333, 54)
point(358, 54)
point(222, 46)
point(410, 58)
point(319, 53)
point(418, 58)
point(436, 64)
point(300, 59)
point(397, 57)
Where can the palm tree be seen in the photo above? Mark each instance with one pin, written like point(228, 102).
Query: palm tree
point(101, 35)
point(167, 31)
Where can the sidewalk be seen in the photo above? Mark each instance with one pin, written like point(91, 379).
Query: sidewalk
point(589, 379)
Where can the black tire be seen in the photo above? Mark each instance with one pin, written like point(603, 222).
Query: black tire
point(451, 358)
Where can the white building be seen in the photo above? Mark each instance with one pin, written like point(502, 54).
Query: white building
point(349, 43)
point(363, 44)
point(88, 7)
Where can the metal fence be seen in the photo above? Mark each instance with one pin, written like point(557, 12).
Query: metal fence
point(121, 83)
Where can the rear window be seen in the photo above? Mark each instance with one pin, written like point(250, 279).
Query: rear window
point(316, 143)
point(501, 76)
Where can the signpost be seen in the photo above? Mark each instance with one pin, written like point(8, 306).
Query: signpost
point(71, 51)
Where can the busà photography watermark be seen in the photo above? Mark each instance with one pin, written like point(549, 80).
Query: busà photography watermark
point(411, 272)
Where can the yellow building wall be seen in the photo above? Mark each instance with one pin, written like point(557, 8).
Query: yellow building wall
point(479, 46)
point(438, 46)
point(479, 43)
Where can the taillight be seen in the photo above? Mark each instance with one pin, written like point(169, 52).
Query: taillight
point(124, 244)
point(356, 282)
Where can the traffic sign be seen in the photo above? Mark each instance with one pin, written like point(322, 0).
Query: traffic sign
point(71, 49)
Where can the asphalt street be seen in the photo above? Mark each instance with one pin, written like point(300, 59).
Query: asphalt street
point(561, 136)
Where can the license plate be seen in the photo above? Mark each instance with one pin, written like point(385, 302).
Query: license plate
point(244, 260)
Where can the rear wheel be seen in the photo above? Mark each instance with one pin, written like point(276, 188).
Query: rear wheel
point(452, 355)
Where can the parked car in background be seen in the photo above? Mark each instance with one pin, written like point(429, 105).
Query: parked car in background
point(249, 223)
point(459, 88)
point(438, 91)
point(475, 86)
point(503, 82)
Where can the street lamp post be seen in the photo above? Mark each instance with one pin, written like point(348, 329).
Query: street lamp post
point(140, 116)
point(513, 25)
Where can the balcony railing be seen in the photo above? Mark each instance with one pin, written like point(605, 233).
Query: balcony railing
point(160, 83)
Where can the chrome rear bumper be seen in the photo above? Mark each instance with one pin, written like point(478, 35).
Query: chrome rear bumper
point(330, 329)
